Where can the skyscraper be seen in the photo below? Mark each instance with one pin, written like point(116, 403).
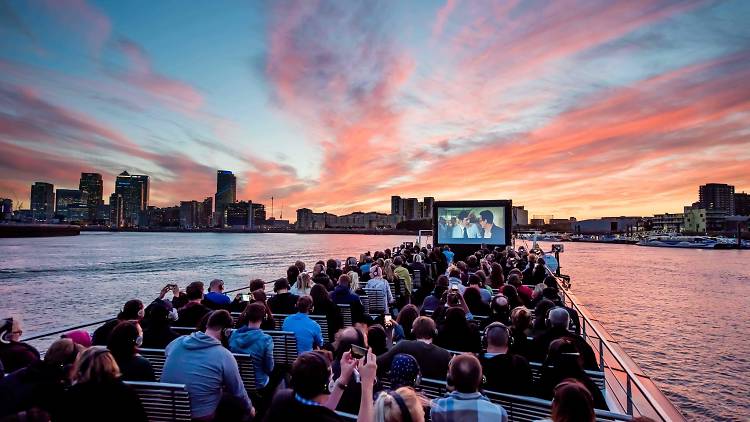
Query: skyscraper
point(742, 203)
point(396, 208)
point(134, 190)
point(91, 184)
point(226, 193)
point(427, 205)
point(42, 201)
point(717, 196)
point(116, 211)
point(71, 205)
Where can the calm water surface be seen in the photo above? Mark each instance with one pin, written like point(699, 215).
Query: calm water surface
point(682, 315)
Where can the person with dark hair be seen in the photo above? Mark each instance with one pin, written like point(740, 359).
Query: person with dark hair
point(552, 294)
point(98, 393)
point(572, 402)
point(41, 384)
point(557, 322)
point(251, 340)
point(308, 333)
point(311, 398)
point(497, 279)
point(494, 233)
point(123, 343)
point(207, 369)
point(292, 273)
point(457, 334)
point(282, 302)
point(465, 402)
point(504, 371)
point(193, 312)
point(348, 337)
point(342, 295)
point(404, 322)
point(158, 333)
point(323, 305)
point(564, 361)
point(539, 273)
point(474, 301)
point(432, 301)
point(320, 276)
point(132, 311)
point(239, 305)
point(14, 354)
point(377, 340)
point(524, 292)
point(216, 298)
point(511, 293)
point(332, 269)
point(520, 318)
point(433, 360)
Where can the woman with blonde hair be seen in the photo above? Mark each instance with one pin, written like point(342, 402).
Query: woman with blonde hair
point(388, 270)
point(402, 405)
point(98, 392)
point(303, 285)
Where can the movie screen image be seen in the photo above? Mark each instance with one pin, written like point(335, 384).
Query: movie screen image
point(469, 225)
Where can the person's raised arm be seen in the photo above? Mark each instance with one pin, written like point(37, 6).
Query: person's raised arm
point(348, 363)
point(367, 374)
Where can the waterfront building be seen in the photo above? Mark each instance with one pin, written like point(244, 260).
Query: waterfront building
point(259, 214)
point(520, 216)
point(411, 209)
point(607, 225)
point(396, 205)
point(71, 205)
point(668, 222)
point(702, 220)
point(309, 220)
point(239, 214)
point(42, 201)
point(427, 205)
point(134, 190)
point(91, 184)
point(741, 203)
point(116, 211)
point(226, 193)
point(716, 196)
point(189, 214)
point(205, 212)
point(6, 209)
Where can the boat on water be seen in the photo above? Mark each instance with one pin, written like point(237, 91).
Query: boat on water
point(689, 242)
point(629, 392)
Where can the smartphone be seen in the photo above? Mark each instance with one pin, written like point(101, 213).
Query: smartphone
point(245, 297)
point(388, 319)
point(358, 352)
point(454, 286)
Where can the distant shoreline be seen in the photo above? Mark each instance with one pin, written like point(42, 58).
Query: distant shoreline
point(390, 232)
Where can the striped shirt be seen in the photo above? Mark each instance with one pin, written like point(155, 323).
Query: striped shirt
point(466, 407)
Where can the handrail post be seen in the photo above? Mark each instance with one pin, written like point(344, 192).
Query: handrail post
point(629, 393)
point(601, 355)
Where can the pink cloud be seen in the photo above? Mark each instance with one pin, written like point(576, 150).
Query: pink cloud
point(80, 17)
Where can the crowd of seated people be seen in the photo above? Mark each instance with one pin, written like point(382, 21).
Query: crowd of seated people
point(472, 330)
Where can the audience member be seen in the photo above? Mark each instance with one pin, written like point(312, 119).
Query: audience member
point(14, 354)
point(557, 327)
point(193, 312)
point(520, 319)
point(404, 321)
point(292, 274)
point(216, 298)
point(378, 282)
point(465, 402)
point(341, 295)
point(404, 372)
point(306, 330)
point(320, 276)
point(496, 276)
point(417, 265)
point(432, 301)
point(98, 393)
point(539, 326)
point(505, 372)
point(350, 397)
point(401, 272)
point(303, 285)
point(259, 296)
point(251, 340)
point(332, 269)
point(474, 301)
point(310, 398)
point(42, 384)
point(572, 402)
point(433, 360)
point(500, 310)
point(377, 339)
point(457, 334)
point(123, 344)
point(552, 294)
point(81, 337)
point(132, 311)
point(282, 302)
point(524, 292)
point(158, 333)
point(207, 369)
point(323, 305)
point(475, 280)
point(398, 405)
point(564, 361)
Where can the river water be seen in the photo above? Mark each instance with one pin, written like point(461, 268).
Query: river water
point(682, 315)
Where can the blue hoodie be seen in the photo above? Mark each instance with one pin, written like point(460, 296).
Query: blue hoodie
point(259, 345)
point(201, 363)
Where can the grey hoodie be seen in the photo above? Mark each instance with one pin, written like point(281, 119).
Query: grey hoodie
point(207, 369)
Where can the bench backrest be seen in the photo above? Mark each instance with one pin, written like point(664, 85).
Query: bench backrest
point(156, 358)
point(163, 402)
point(374, 302)
point(346, 313)
point(596, 376)
point(284, 347)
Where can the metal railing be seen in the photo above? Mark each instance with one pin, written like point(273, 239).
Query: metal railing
point(630, 390)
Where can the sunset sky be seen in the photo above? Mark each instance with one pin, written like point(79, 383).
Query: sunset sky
point(571, 108)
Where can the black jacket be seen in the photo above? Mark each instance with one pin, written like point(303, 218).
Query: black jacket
point(507, 373)
point(106, 401)
point(39, 385)
point(541, 347)
point(283, 303)
point(191, 315)
point(285, 407)
point(136, 368)
point(433, 360)
point(158, 336)
point(333, 316)
point(16, 355)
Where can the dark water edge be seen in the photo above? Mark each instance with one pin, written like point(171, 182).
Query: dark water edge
point(682, 315)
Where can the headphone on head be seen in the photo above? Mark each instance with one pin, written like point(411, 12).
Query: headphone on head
point(494, 326)
point(325, 364)
point(6, 330)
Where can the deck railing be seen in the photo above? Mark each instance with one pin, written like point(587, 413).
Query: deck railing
point(628, 388)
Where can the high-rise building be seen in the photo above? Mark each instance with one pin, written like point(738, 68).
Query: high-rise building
point(717, 196)
point(116, 211)
point(205, 212)
point(742, 203)
point(411, 209)
point(396, 208)
point(6, 208)
point(134, 190)
point(239, 214)
point(259, 214)
point(520, 216)
point(427, 205)
point(71, 205)
point(91, 184)
point(42, 201)
point(189, 214)
point(226, 193)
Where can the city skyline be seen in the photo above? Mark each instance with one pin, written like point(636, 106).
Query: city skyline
point(337, 106)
